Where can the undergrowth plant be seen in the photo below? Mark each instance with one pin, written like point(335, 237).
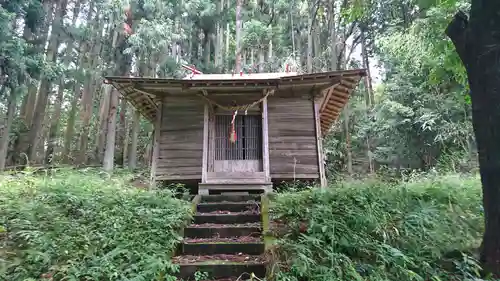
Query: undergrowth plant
point(425, 229)
point(86, 225)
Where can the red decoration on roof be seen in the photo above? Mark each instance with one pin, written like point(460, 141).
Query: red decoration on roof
point(127, 25)
point(192, 69)
point(127, 29)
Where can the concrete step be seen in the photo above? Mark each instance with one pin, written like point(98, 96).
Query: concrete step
point(220, 266)
point(214, 248)
point(230, 198)
point(209, 230)
point(232, 218)
point(228, 206)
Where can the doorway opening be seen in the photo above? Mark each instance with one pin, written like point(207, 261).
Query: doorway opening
point(245, 153)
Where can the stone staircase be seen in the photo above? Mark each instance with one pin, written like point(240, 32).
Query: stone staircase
point(225, 240)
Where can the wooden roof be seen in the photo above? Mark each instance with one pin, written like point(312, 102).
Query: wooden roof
point(146, 93)
point(247, 76)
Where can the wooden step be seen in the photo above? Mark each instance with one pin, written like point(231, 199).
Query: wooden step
point(223, 231)
point(214, 248)
point(229, 198)
point(220, 266)
point(228, 206)
point(235, 185)
point(233, 218)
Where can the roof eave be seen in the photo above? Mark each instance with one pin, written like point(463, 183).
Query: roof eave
point(130, 89)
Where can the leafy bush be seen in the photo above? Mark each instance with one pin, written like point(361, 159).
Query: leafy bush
point(376, 231)
point(86, 226)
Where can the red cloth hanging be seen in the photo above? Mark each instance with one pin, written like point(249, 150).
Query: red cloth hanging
point(232, 133)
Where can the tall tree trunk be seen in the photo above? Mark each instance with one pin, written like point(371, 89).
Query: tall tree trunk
point(218, 38)
point(310, 43)
point(228, 35)
point(86, 110)
point(239, 4)
point(317, 43)
point(44, 136)
point(262, 58)
point(29, 108)
point(199, 50)
point(270, 58)
point(132, 153)
point(292, 30)
point(69, 154)
point(347, 132)
point(299, 49)
point(477, 43)
point(122, 133)
point(175, 54)
point(5, 135)
point(54, 126)
point(70, 127)
point(311, 19)
point(103, 124)
point(333, 37)
point(149, 148)
point(108, 161)
point(122, 67)
point(206, 49)
point(46, 84)
point(368, 96)
point(366, 65)
point(39, 39)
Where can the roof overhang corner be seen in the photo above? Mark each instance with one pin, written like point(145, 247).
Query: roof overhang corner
point(335, 99)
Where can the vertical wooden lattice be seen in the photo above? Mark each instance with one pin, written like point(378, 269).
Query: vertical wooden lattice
point(248, 145)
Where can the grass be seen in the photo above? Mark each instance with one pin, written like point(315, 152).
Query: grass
point(86, 225)
point(426, 229)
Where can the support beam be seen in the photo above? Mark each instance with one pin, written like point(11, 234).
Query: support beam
point(205, 144)
point(211, 138)
point(148, 96)
point(265, 141)
point(156, 147)
point(319, 145)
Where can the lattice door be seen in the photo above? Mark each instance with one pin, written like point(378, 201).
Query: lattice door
point(244, 155)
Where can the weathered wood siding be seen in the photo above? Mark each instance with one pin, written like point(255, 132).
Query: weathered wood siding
point(292, 138)
point(181, 139)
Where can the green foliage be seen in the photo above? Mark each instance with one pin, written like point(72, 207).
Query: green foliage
point(373, 230)
point(256, 34)
point(12, 51)
point(422, 115)
point(87, 226)
point(201, 275)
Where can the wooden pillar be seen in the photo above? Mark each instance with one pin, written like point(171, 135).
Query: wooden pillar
point(265, 141)
point(319, 145)
point(156, 147)
point(205, 145)
point(211, 139)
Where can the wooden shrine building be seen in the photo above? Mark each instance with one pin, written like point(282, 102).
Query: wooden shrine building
point(242, 131)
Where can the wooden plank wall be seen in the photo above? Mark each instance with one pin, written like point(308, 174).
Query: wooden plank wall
point(292, 138)
point(181, 139)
